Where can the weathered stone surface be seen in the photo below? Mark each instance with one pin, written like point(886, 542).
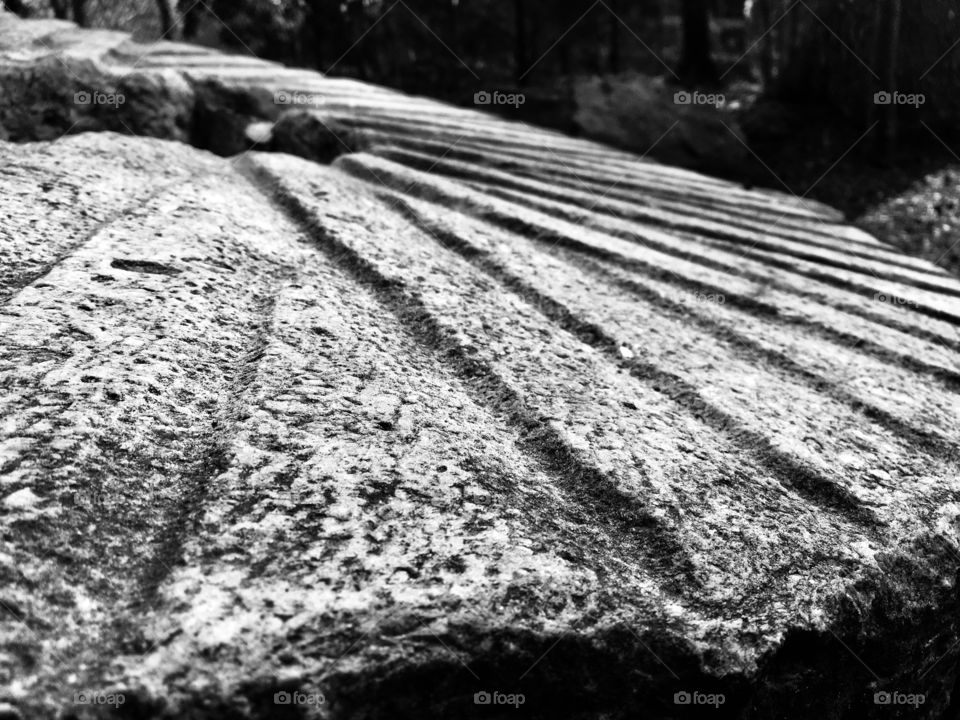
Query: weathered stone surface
point(475, 408)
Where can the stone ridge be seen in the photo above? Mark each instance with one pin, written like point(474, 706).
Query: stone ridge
point(476, 407)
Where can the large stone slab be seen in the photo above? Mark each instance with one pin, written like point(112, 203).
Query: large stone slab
point(475, 409)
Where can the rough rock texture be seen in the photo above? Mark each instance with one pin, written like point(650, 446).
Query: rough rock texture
point(477, 407)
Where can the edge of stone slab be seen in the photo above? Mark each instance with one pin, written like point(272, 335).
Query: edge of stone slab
point(889, 631)
point(613, 673)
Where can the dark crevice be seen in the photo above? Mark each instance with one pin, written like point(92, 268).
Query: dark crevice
point(948, 378)
point(747, 219)
point(535, 161)
point(739, 216)
point(930, 443)
point(500, 185)
point(761, 257)
point(550, 238)
point(811, 485)
point(183, 516)
point(723, 239)
point(144, 266)
point(753, 351)
point(624, 515)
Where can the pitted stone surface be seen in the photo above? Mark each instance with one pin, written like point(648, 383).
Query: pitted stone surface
point(477, 407)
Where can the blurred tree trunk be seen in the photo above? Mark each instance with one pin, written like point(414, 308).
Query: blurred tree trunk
point(453, 27)
point(891, 129)
point(660, 13)
point(571, 16)
point(520, 57)
point(372, 56)
point(780, 35)
point(696, 64)
point(614, 40)
point(80, 12)
point(879, 46)
point(59, 9)
point(760, 20)
point(591, 39)
point(793, 27)
point(168, 21)
point(190, 12)
point(567, 16)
